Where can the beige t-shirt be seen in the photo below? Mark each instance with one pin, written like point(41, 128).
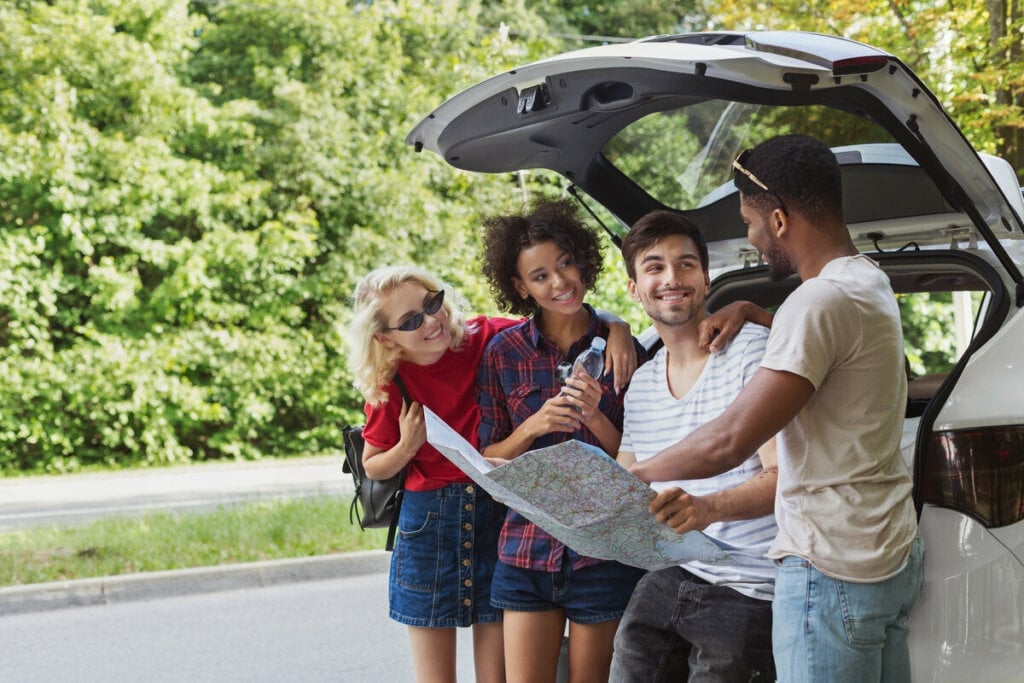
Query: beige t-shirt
point(844, 495)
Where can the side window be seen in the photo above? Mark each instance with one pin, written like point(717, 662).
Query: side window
point(937, 328)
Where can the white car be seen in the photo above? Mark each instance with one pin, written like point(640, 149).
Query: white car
point(656, 124)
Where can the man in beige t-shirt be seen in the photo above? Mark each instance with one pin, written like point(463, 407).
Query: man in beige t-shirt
point(848, 558)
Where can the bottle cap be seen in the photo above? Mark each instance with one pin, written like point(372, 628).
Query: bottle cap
point(598, 343)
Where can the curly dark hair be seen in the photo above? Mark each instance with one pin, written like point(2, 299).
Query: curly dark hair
point(546, 220)
point(801, 170)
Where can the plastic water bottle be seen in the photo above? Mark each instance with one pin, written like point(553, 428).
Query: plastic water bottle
point(591, 360)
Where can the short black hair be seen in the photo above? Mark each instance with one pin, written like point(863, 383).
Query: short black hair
point(801, 170)
point(546, 220)
point(655, 226)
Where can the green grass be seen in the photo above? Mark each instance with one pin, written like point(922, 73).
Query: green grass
point(241, 533)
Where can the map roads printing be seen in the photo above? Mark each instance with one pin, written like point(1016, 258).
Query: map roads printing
point(582, 497)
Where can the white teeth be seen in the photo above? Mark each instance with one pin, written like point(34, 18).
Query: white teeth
point(434, 335)
point(564, 297)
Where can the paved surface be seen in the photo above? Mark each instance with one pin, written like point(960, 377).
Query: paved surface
point(79, 498)
point(70, 499)
point(332, 631)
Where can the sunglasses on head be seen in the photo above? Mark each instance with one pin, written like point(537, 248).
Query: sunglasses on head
point(737, 164)
point(415, 321)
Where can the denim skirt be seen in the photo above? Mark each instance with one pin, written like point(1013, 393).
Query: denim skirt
point(445, 552)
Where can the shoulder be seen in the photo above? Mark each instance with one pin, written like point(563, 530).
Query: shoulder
point(843, 278)
point(513, 337)
point(751, 338)
point(486, 327)
point(648, 371)
point(816, 303)
point(483, 329)
point(817, 289)
point(752, 332)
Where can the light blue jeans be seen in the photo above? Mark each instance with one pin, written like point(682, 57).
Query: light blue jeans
point(824, 629)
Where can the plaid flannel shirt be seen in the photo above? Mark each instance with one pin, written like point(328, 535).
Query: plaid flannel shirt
point(516, 377)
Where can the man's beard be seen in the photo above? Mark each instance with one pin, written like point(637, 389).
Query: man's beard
point(779, 265)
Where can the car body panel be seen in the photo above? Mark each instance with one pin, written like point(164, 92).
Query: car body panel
point(980, 402)
point(977, 635)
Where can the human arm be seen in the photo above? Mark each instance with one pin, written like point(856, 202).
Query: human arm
point(626, 458)
point(499, 437)
point(555, 415)
point(753, 498)
point(620, 358)
point(381, 463)
point(762, 408)
point(725, 323)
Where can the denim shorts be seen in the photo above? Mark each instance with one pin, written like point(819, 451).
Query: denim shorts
point(589, 595)
point(445, 552)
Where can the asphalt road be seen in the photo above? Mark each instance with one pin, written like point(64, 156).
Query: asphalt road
point(79, 498)
point(331, 630)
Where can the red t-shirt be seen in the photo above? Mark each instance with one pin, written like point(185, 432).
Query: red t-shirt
point(448, 387)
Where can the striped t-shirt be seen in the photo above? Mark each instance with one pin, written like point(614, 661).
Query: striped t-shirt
point(654, 420)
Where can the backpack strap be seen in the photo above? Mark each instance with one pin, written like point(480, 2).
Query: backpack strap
point(393, 527)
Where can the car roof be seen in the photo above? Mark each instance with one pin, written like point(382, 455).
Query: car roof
point(559, 113)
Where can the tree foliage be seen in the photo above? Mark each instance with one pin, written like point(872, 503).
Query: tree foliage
point(969, 53)
point(189, 191)
point(633, 19)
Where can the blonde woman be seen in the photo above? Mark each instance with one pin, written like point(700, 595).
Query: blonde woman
point(407, 322)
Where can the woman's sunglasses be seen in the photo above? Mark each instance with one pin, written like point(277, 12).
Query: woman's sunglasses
point(415, 321)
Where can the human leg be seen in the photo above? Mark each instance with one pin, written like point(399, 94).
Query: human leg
point(433, 654)
point(441, 572)
point(533, 624)
point(647, 648)
point(827, 629)
point(729, 633)
point(679, 627)
point(896, 653)
point(590, 650)
point(533, 641)
point(594, 598)
point(489, 652)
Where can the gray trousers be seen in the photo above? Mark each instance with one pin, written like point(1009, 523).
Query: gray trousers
point(678, 627)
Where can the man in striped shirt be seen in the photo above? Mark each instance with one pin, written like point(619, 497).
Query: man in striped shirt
point(696, 621)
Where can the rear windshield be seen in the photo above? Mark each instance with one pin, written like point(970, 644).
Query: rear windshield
point(683, 158)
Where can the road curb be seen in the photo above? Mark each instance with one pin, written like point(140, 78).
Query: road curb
point(41, 597)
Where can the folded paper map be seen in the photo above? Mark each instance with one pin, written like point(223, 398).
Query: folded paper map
point(582, 497)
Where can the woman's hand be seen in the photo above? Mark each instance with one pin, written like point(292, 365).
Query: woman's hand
point(412, 428)
point(583, 393)
point(555, 415)
point(620, 356)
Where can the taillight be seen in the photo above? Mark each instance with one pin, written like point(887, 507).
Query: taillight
point(979, 472)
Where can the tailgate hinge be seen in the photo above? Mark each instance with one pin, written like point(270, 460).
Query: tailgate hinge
point(960, 234)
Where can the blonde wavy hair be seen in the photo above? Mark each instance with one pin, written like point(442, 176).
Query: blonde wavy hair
point(373, 364)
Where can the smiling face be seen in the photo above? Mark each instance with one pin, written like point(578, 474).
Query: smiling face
point(670, 283)
point(762, 238)
point(549, 275)
point(424, 345)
